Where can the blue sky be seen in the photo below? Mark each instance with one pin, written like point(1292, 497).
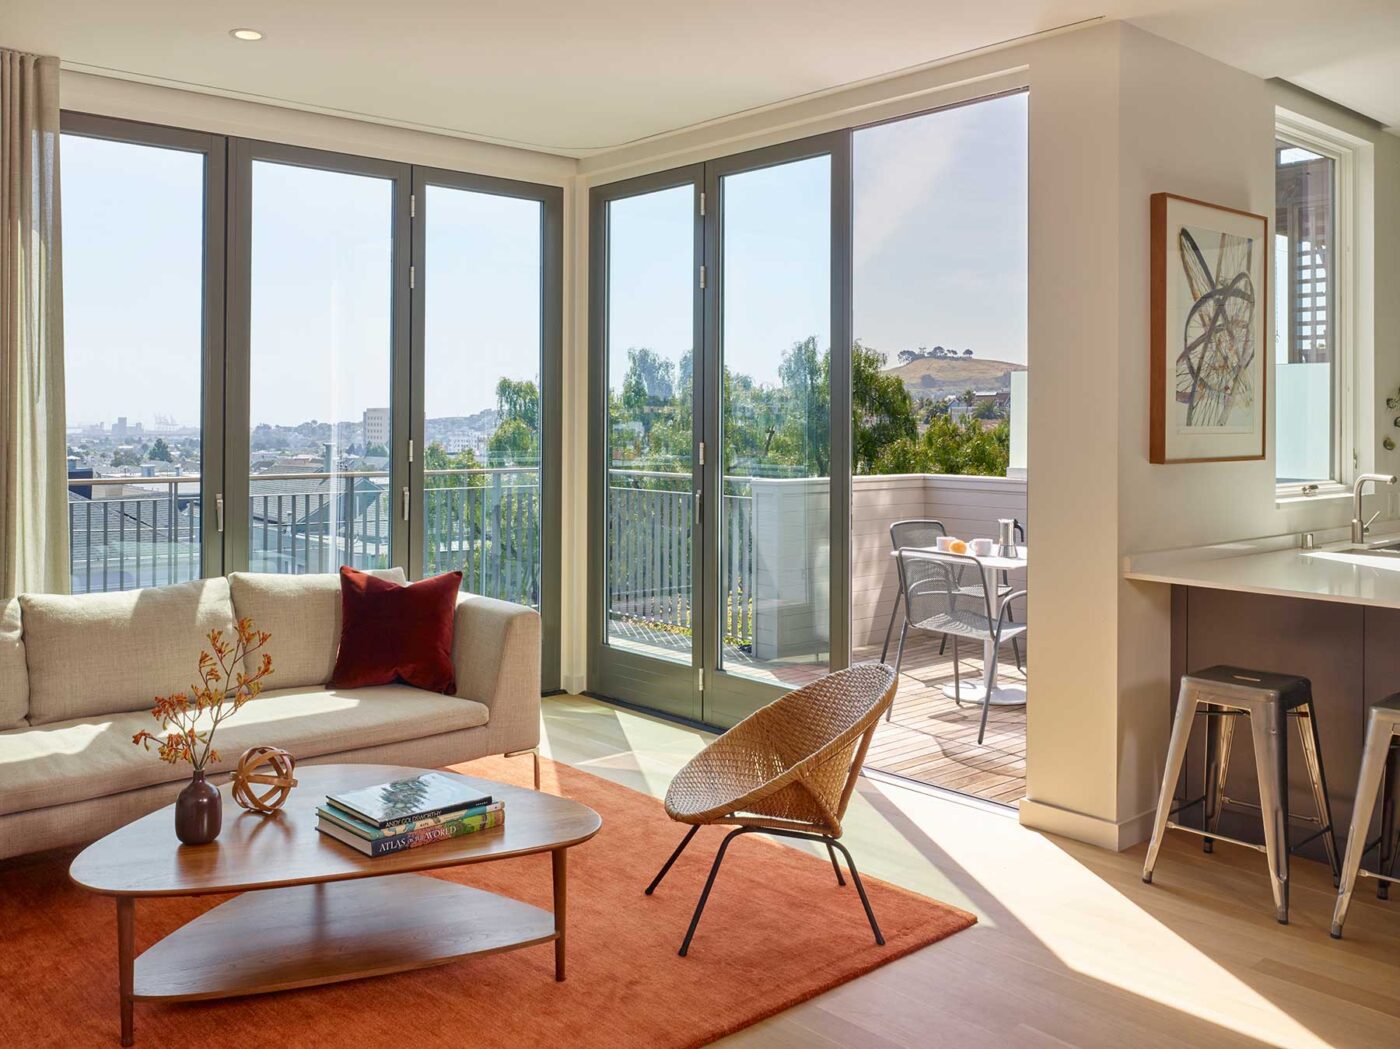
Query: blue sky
point(939, 257)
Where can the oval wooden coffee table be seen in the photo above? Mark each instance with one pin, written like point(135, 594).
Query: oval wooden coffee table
point(301, 927)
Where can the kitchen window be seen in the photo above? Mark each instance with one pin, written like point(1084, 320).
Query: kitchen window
point(1314, 336)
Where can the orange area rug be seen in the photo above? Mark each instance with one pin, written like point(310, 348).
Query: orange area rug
point(777, 931)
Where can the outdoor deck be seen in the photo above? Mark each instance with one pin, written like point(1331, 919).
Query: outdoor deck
point(931, 739)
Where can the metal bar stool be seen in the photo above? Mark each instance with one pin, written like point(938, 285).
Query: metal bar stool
point(1268, 700)
point(1378, 773)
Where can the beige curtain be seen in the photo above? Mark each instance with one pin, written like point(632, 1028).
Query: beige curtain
point(33, 450)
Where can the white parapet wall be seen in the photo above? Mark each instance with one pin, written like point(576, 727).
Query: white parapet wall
point(792, 555)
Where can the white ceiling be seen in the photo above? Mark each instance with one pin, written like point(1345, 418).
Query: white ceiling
point(573, 77)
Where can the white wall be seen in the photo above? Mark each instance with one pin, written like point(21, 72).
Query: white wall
point(106, 96)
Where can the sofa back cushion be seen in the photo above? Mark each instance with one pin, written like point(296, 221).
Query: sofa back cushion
point(94, 654)
point(14, 677)
point(302, 613)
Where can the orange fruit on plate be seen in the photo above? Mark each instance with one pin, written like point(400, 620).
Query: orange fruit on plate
point(957, 546)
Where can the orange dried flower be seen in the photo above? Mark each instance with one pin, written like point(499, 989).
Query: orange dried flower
point(190, 718)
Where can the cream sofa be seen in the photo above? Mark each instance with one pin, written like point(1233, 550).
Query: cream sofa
point(78, 674)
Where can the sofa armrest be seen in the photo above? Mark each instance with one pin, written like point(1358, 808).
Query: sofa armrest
point(496, 660)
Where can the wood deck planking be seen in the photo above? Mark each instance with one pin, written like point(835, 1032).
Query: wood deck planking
point(934, 741)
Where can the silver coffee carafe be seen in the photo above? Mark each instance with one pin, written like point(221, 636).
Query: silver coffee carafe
point(1006, 537)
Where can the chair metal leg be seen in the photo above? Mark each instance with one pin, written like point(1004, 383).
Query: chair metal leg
point(674, 856)
point(898, 662)
point(840, 878)
point(957, 672)
point(989, 682)
point(860, 888)
point(1220, 739)
point(1176, 757)
point(889, 630)
point(1368, 783)
point(1270, 732)
point(1317, 779)
point(943, 644)
point(709, 884)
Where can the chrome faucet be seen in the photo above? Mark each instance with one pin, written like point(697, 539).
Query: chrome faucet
point(1359, 528)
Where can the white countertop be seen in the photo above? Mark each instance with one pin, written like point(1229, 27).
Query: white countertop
point(1271, 567)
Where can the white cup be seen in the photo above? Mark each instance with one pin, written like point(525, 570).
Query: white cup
point(944, 542)
point(982, 547)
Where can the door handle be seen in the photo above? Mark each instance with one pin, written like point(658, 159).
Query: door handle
point(405, 502)
point(219, 511)
point(699, 503)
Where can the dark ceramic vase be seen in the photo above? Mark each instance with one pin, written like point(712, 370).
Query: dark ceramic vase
point(199, 812)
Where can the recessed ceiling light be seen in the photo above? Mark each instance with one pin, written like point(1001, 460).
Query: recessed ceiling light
point(245, 34)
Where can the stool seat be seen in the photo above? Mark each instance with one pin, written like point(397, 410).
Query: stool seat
point(1269, 701)
point(1257, 686)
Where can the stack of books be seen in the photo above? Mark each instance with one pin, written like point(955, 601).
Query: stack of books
point(406, 813)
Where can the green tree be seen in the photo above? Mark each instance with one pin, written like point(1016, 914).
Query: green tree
point(881, 408)
point(160, 451)
point(969, 397)
point(377, 450)
point(947, 447)
point(986, 408)
point(516, 440)
point(519, 399)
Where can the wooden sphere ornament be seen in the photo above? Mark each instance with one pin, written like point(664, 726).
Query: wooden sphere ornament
point(268, 767)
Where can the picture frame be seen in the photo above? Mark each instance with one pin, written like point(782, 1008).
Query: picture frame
point(1209, 332)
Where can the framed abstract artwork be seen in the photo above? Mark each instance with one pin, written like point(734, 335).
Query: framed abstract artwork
point(1209, 319)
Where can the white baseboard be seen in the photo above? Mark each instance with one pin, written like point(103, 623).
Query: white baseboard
point(1106, 834)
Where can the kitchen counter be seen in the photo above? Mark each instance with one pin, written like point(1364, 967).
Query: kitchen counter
point(1278, 567)
point(1327, 614)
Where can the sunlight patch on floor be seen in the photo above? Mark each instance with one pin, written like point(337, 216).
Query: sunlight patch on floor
point(1008, 874)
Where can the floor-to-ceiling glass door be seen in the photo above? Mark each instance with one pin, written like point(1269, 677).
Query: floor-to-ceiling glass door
point(721, 351)
point(486, 400)
point(647, 508)
point(320, 258)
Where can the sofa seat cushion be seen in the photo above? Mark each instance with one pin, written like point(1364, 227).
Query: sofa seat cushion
point(91, 757)
point(302, 613)
point(14, 676)
point(95, 654)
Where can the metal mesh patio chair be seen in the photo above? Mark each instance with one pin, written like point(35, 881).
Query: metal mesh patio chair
point(936, 601)
point(788, 769)
point(923, 533)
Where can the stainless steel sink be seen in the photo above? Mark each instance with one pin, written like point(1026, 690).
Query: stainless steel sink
point(1388, 549)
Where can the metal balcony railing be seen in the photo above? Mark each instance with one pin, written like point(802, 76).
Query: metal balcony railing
point(146, 531)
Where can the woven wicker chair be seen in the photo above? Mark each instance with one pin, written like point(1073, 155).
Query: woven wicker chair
point(788, 769)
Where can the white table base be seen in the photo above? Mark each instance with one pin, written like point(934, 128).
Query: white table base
point(1002, 695)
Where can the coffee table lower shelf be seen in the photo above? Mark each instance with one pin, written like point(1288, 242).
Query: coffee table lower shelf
point(305, 935)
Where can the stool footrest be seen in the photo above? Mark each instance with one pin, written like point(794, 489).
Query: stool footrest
point(1364, 873)
point(1214, 836)
point(1296, 817)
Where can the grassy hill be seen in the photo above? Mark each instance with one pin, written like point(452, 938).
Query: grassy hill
point(938, 376)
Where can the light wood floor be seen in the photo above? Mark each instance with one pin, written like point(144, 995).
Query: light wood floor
point(931, 739)
point(1072, 948)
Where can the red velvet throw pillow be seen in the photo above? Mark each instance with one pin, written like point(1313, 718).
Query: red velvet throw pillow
point(393, 633)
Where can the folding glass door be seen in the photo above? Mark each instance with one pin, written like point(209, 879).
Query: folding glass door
point(143, 319)
point(720, 358)
point(318, 242)
point(486, 362)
